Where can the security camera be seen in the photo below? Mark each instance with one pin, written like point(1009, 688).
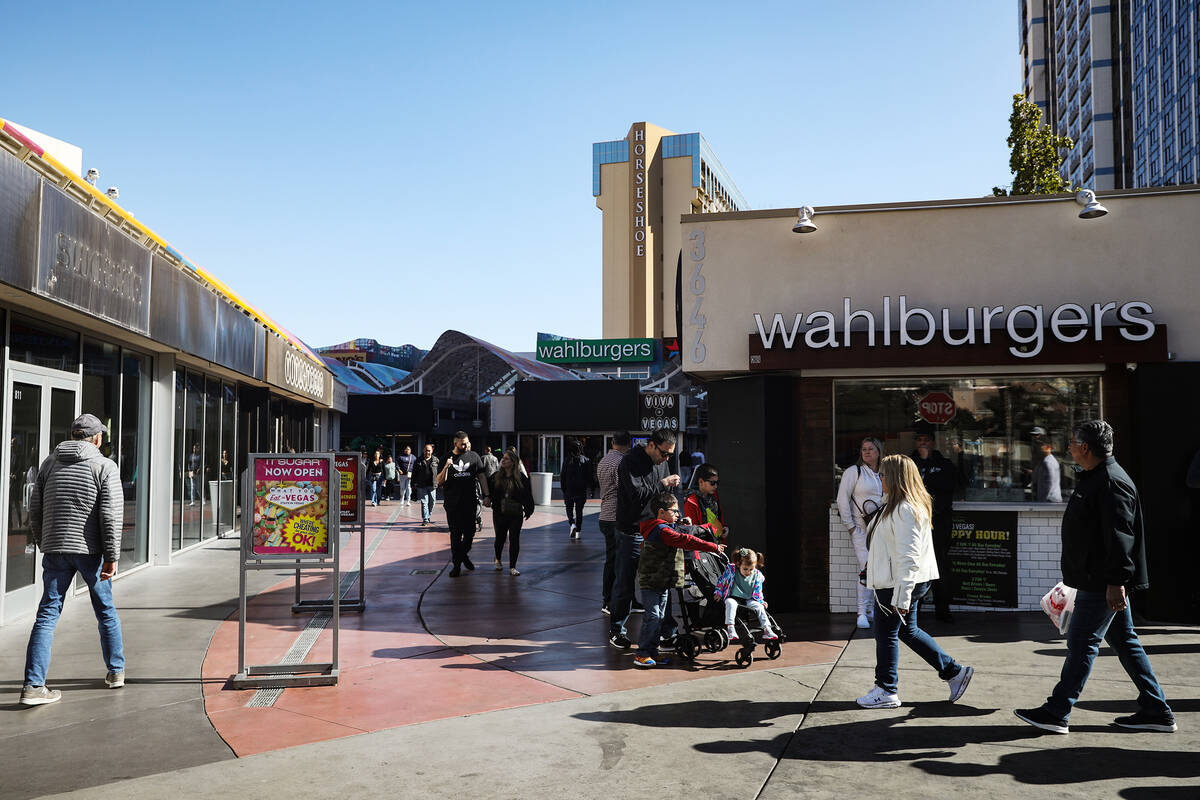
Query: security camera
point(92, 176)
point(113, 192)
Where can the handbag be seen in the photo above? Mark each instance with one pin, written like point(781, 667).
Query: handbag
point(869, 509)
point(1059, 604)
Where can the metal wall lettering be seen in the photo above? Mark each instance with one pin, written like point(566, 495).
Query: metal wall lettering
point(183, 311)
point(18, 222)
point(289, 369)
point(87, 263)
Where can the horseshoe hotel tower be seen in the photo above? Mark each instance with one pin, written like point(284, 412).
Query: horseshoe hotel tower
point(644, 183)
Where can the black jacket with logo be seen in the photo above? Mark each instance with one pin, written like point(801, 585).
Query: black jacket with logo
point(1103, 542)
point(940, 477)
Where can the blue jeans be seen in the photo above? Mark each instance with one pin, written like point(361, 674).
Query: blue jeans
point(405, 488)
point(58, 569)
point(1091, 622)
point(609, 529)
point(657, 620)
point(427, 497)
point(629, 552)
point(375, 483)
point(891, 629)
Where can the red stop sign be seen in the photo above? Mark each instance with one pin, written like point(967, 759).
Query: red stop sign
point(936, 408)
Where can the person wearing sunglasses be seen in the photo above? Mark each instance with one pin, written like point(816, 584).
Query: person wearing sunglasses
point(703, 505)
point(641, 476)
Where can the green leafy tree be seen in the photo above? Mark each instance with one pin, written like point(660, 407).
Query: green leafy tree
point(1035, 155)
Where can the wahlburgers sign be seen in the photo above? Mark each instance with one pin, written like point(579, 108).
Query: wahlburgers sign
point(593, 351)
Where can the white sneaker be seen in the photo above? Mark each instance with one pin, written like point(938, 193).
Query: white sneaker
point(862, 622)
point(496, 563)
point(958, 684)
point(878, 698)
point(514, 572)
point(732, 633)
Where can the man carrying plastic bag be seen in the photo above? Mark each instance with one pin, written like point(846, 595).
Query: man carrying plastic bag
point(1103, 557)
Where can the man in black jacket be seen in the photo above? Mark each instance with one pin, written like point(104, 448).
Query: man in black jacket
point(941, 479)
point(423, 477)
point(641, 475)
point(1103, 558)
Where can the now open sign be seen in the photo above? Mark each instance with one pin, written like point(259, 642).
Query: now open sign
point(936, 408)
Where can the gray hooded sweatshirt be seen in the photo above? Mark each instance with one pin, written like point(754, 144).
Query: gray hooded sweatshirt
point(77, 503)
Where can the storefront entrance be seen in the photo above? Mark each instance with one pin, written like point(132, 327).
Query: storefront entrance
point(42, 404)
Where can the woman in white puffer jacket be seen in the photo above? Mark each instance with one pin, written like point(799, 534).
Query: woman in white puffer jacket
point(861, 492)
point(900, 566)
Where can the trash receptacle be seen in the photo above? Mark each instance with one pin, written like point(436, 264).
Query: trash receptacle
point(540, 483)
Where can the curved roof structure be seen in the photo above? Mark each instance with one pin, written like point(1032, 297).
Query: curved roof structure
point(463, 367)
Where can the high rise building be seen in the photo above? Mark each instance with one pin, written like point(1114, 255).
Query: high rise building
point(643, 184)
point(1119, 77)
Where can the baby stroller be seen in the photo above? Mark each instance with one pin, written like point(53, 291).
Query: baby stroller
point(703, 621)
point(746, 625)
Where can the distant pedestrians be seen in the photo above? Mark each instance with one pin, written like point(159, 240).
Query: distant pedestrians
point(900, 567)
point(75, 513)
point(641, 476)
point(574, 479)
point(424, 478)
point(375, 476)
point(405, 467)
point(390, 474)
point(461, 477)
point(606, 477)
point(1103, 558)
point(512, 504)
point(490, 462)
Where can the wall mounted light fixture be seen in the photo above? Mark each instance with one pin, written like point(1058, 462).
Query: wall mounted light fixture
point(805, 224)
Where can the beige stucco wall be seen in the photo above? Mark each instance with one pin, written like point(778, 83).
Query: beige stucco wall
point(677, 196)
point(1002, 253)
point(613, 202)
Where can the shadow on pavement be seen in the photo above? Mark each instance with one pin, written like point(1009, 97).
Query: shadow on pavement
point(699, 714)
point(1057, 766)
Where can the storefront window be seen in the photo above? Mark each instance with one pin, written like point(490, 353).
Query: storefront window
point(997, 432)
point(212, 456)
point(193, 449)
point(102, 389)
point(227, 463)
point(135, 456)
point(179, 475)
point(43, 345)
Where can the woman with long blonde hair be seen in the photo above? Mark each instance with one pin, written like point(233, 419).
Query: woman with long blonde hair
point(900, 567)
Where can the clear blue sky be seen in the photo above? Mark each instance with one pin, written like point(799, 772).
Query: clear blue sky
point(392, 169)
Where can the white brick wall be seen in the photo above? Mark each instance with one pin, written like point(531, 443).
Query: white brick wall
point(1038, 551)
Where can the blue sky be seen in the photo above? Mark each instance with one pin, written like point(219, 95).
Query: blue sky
point(390, 170)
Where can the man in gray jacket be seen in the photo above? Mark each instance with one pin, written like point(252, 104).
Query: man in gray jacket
point(75, 513)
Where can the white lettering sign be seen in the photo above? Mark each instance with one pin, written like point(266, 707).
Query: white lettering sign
point(1025, 325)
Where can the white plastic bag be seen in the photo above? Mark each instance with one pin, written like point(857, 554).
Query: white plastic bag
point(1059, 603)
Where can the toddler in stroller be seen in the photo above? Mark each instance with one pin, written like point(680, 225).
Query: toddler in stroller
point(741, 589)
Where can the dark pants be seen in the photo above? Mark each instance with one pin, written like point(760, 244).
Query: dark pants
point(462, 531)
point(575, 510)
point(609, 529)
point(1092, 622)
point(941, 548)
point(629, 552)
point(891, 629)
point(508, 527)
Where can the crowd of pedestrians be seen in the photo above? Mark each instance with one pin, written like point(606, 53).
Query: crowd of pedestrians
point(895, 508)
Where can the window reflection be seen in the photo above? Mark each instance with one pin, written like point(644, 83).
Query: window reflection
point(999, 437)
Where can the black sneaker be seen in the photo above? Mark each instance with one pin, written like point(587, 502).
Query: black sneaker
point(1041, 718)
point(620, 642)
point(1163, 722)
point(454, 573)
point(469, 564)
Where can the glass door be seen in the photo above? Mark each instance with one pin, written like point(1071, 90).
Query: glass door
point(552, 453)
point(42, 406)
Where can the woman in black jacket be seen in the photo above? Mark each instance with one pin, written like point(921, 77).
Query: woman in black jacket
point(574, 479)
point(512, 504)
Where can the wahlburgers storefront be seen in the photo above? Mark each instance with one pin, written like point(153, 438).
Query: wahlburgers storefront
point(999, 323)
point(99, 315)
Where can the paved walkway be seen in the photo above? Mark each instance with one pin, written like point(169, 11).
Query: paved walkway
point(493, 686)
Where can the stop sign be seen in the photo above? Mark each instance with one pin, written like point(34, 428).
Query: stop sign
point(936, 408)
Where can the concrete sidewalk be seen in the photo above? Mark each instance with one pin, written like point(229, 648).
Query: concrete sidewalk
point(777, 730)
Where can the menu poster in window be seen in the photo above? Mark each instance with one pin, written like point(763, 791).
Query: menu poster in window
point(982, 559)
point(347, 465)
point(291, 506)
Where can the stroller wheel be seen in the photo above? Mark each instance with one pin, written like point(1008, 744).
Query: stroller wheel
point(744, 658)
point(773, 650)
point(686, 646)
point(724, 639)
point(713, 640)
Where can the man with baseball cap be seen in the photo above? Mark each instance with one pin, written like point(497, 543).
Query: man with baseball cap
point(75, 512)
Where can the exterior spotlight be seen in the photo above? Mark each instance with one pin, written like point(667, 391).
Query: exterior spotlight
point(92, 176)
point(1091, 206)
point(805, 224)
point(113, 192)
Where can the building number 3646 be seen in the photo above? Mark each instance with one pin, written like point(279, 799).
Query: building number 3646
point(696, 319)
